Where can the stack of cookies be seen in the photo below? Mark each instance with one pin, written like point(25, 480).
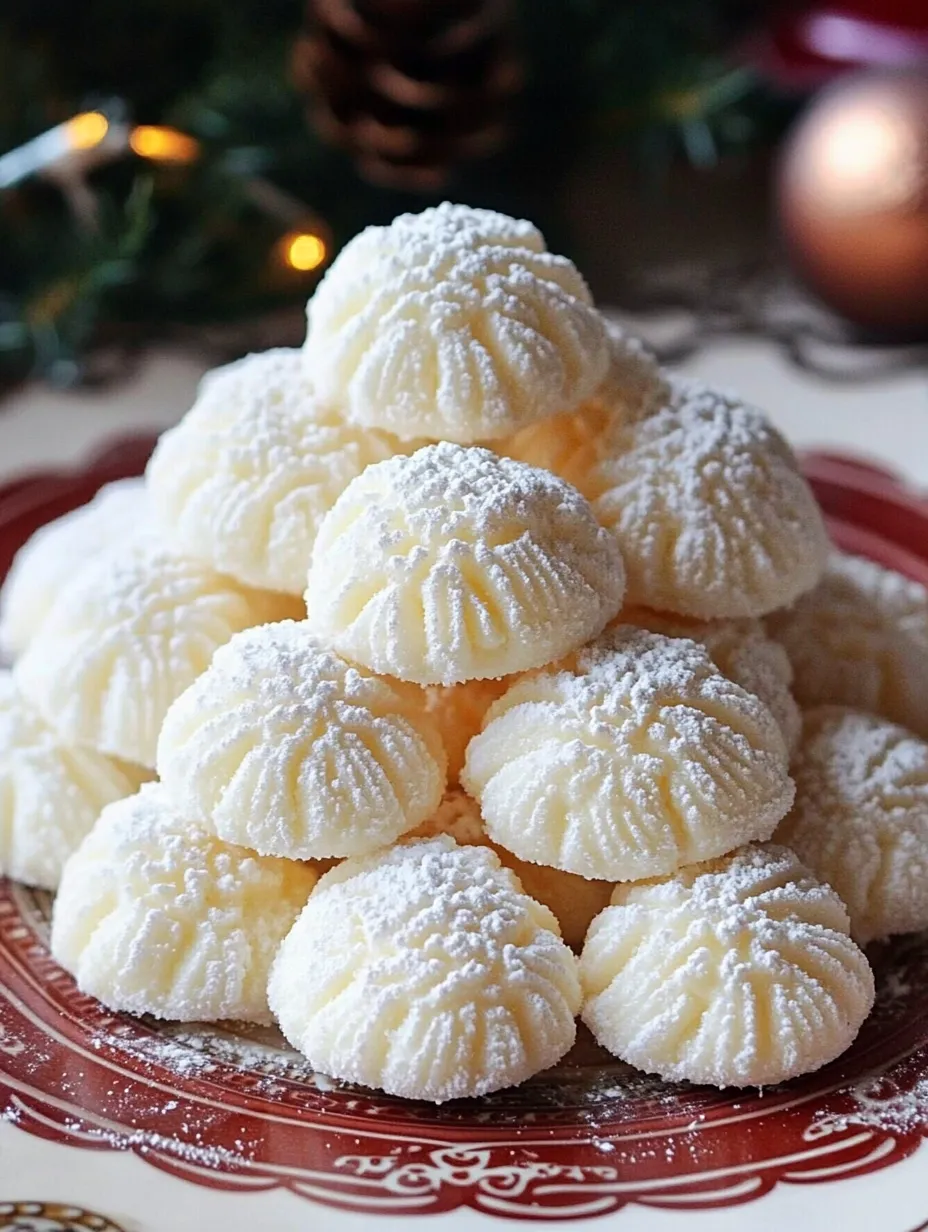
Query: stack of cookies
point(442, 684)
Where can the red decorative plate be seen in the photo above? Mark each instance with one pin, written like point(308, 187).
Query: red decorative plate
point(232, 1108)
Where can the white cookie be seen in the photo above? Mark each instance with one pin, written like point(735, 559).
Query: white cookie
point(711, 512)
point(860, 638)
point(284, 747)
point(156, 916)
point(244, 480)
point(454, 564)
point(860, 819)
point(642, 759)
point(453, 324)
point(425, 971)
point(125, 638)
point(743, 652)
point(51, 793)
point(739, 972)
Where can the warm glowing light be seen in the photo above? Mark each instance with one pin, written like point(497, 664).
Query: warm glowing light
point(87, 130)
point(303, 251)
point(165, 145)
point(869, 158)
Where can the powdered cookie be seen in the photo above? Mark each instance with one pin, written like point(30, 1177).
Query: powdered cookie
point(49, 560)
point(425, 971)
point(710, 510)
point(155, 916)
point(244, 480)
point(741, 650)
point(454, 324)
point(573, 901)
point(738, 972)
point(860, 820)
point(125, 638)
point(860, 638)
point(284, 747)
point(455, 564)
point(643, 758)
point(50, 793)
point(572, 445)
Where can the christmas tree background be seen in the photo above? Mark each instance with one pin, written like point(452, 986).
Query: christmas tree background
point(173, 243)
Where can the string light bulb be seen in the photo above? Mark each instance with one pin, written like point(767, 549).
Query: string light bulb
point(87, 130)
point(163, 145)
point(303, 251)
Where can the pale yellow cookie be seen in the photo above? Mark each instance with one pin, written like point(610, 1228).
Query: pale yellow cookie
point(51, 793)
point(738, 972)
point(641, 759)
point(244, 480)
point(455, 564)
point(457, 711)
point(573, 901)
point(743, 652)
point(284, 747)
point(125, 638)
point(425, 971)
point(709, 507)
point(860, 638)
point(572, 444)
point(47, 562)
point(453, 324)
point(156, 916)
point(860, 819)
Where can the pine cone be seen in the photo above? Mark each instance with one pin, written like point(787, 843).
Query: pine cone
point(410, 87)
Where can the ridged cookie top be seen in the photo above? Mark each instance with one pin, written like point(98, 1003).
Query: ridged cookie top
point(453, 324)
point(425, 971)
point(860, 638)
point(51, 792)
point(743, 652)
point(710, 510)
point(284, 747)
point(738, 972)
point(860, 819)
point(156, 916)
point(243, 482)
point(641, 758)
point(125, 638)
point(454, 564)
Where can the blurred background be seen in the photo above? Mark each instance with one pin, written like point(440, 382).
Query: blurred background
point(184, 171)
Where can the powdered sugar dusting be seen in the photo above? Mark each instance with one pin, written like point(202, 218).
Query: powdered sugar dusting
point(710, 509)
point(47, 562)
point(742, 652)
point(861, 817)
point(245, 479)
point(453, 324)
point(738, 972)
point(642, 758)
point(860, 638)
point(129, 633)
point(284, 747)
point(51, 793)
point(454, 564)
point(155, 916)
point(426, 972)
